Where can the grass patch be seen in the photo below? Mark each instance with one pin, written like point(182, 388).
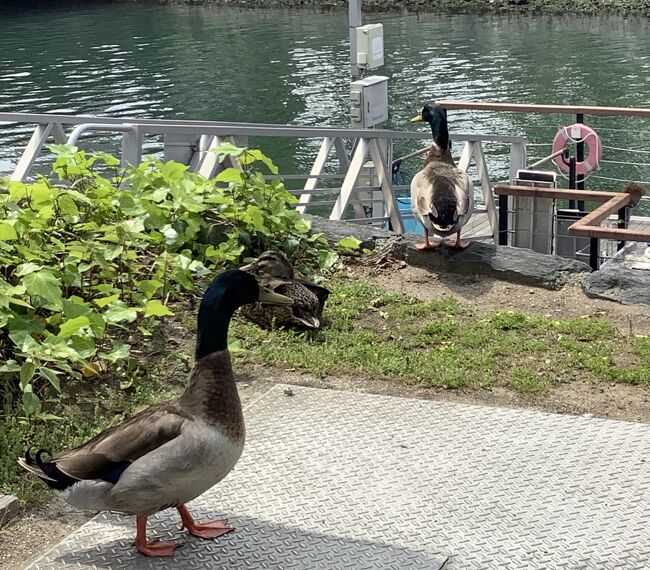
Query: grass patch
point(529, 381)
point(439, 343)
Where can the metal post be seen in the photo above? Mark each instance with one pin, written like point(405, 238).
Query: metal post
point(593, 253)
point(355, 19)
point(580, 152)
point(503, 219)
point(623, 214)
point(572, 180)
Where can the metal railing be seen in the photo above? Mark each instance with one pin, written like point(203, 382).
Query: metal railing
point(350, 174)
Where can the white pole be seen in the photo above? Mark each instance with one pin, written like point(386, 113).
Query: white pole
point(355, 19)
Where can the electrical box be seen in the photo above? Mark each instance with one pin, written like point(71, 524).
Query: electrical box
point(532, 220)
point(369, 101)
point(370, 46)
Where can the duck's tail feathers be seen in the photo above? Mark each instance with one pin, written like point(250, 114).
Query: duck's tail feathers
point(46, 470)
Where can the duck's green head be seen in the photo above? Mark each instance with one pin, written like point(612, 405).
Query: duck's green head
point(229, 291)
point(436, 116)
point(272, 263)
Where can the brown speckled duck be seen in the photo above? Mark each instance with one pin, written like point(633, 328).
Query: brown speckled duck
point(442, 198)
point(278, 276)
point(173, 452)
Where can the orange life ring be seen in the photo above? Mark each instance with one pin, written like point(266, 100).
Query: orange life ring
point(579, 133)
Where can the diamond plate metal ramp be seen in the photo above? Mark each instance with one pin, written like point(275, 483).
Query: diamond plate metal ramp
point(334, 480)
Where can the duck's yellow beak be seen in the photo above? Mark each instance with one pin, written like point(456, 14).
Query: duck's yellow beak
point(267, 296)
point(417, 119)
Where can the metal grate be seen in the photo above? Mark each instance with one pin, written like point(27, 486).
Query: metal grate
point(338, 480)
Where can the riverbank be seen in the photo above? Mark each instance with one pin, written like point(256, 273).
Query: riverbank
point(586, 7)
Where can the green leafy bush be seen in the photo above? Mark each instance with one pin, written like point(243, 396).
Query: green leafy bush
point(94, 253)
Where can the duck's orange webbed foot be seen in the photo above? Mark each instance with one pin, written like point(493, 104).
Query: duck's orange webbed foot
point(209, 529)
point(154, 548)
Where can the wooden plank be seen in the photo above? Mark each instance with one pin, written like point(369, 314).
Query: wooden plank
point(609, 233)
point(604, 210)
point(478, 226)
point(526, 108)
point(555, 193)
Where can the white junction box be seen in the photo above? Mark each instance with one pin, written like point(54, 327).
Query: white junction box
point(370, 46)
point(369, 101)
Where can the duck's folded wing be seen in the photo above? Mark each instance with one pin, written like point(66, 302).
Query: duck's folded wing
point(321, 292)
point(107, 455)
point(462, 190)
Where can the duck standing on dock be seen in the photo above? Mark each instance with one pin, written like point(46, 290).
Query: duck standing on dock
point(173, 452)
point(442, 197)
point(278, 276)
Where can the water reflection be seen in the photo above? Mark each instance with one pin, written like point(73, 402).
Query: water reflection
point(141, 60)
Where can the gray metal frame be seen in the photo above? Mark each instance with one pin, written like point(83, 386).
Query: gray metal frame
point(190, 142)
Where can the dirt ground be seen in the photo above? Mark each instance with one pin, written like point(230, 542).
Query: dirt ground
point(29, 536)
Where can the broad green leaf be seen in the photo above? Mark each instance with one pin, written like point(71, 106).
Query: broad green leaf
point(227, 149)
point(83, 346)
point(7, 232)
point(103, 301)
point(97, 324)
point(31, 403)
point(133, 226)
point(27, 268)
point(155, 308)
point(79, 197)
point(149, 287)
point(230, 175)
point(257, 155)
point(10, 366)
point(43, 287)
point(18, 302)
point(26, 373)
point(119, 352)
point(256, 217)
point(112, 251)
point(119, 312)
point(67, 206)
point(52, 378)
point(75, 307)
point(73, 326)
point(327, 259)
point(173, 170)
point(349, 242)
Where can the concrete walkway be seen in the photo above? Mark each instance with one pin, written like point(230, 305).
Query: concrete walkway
point(334, 480)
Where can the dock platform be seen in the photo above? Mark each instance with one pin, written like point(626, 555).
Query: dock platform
point(336, 480)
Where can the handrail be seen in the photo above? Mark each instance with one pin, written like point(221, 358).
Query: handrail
point(190, 142)
point(553, 193)
point(588, 225)
point(526, 108)
point(167, 126)
point(80, 129)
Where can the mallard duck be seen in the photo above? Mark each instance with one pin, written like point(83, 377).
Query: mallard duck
point(308, 298)
point(442, 198)
point(173, 452)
